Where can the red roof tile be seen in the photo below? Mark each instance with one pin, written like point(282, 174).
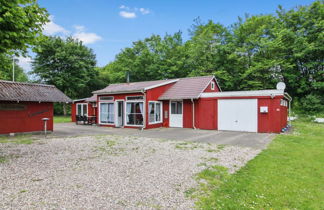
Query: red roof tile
point(20, 91)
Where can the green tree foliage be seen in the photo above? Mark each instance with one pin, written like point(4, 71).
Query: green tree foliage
point(21, 23)
point(256, 52)
point(6, 70)
point(67, 64)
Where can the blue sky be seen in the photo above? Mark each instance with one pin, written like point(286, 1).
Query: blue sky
point(107, 26)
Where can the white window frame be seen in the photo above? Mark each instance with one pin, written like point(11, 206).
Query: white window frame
point(77, 110)
point(161, 112)
point(112, 98)
point(127, 98)
point(170, 104)
point(212, 85)
point(125, 113)
point(99, 112)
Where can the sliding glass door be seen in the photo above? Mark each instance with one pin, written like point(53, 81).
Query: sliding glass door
point(134, 113)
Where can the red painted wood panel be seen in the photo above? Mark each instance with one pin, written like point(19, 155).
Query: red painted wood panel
point(206, 114)
point(28, 120)
point(187, 114)
point(209, 90)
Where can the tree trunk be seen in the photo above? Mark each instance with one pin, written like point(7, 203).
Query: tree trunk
point(64, 109)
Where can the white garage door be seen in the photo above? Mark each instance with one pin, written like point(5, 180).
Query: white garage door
point(238, 115)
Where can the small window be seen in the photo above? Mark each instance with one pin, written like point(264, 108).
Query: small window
point(212, 85)
point(82, 109)
point(106, 98)
point(176, 107)
point(134, 98)
point(155, 112)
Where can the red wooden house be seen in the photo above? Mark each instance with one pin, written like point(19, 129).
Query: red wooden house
point(24, 105)
point(195, 102)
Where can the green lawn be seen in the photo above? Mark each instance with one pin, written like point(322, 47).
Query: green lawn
point(62, 119)
point(287, 175)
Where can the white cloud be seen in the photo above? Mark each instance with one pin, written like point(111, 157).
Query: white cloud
point(25, 63)
point(79, 27)
point(144, 11)
point(52, 28)
point(129, 12)
point(125, 14)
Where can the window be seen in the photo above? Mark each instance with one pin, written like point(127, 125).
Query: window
point(82, 109)
point(176, 107)
point(107, 113)
point(106, 98)
point(134, 98)
point(212, 85)
point(134, 113)
point(155, 112)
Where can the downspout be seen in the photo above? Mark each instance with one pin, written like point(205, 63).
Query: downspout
point(193, 114)
point(144, 110)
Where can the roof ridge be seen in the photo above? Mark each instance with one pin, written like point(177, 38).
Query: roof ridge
point(26, 83)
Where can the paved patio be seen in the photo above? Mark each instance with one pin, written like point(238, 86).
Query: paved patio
point(243, 139)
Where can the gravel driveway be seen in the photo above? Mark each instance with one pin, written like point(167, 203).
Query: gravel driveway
point(116, 172)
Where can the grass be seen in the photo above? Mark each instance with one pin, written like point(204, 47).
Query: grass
point(62, 119)
point(287, 175)
point(20, 139)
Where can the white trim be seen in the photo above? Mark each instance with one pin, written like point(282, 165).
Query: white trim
point(116, 111)
point(99, 98)
point(105, 102)
point(76, 111)
point(270, 93)
point(212, 85)
point(161, 84)
point(161, 112)
point(125, 120)
point(135, 99)
point(202, 92)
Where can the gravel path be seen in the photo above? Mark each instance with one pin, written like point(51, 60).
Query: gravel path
point(107, 172)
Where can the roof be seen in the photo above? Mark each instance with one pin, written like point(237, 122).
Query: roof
point(20, 91)
point(187, 88)
point(133, 86)
point(93, 98)
point(272, 92)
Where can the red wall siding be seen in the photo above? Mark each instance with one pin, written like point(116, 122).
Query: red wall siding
point(153, 95)
point(187, 114)
point(166, 108)
point(269, 122)
point(208, 89)
point(91, 110)
point(206, 114)
point(28, 120)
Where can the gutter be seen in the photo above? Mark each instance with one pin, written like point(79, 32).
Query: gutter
point(193, 114)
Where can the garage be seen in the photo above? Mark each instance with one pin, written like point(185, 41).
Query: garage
point(238, 115)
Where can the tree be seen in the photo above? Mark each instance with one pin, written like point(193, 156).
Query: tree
point(6, 69)
point(21, 23)
point(67, 64)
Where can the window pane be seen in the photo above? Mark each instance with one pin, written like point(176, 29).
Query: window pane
point(85, 109)
point(134, 113)
point(104, 113)
point(173, 107)
point(110, 113)
point(158, 112)
point(179, 111)
point(79, 110)
point(151, 112)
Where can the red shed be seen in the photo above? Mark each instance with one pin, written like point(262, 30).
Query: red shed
point(84, 107)
point(23, 105)
point(194, 102)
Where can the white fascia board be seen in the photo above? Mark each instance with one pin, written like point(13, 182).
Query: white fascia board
point(243, 93)
point(161, 84)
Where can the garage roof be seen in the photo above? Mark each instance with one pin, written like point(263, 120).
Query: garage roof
point(272, 92)
point(20, 91)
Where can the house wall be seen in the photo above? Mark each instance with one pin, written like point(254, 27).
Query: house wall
point(271, 122)
point(153, 95)
point(91, 110)
point(27, 120)
point(208, 88)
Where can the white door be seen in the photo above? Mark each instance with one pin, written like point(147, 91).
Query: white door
point(120, 114)
point(176, 118)
point(238, 115)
